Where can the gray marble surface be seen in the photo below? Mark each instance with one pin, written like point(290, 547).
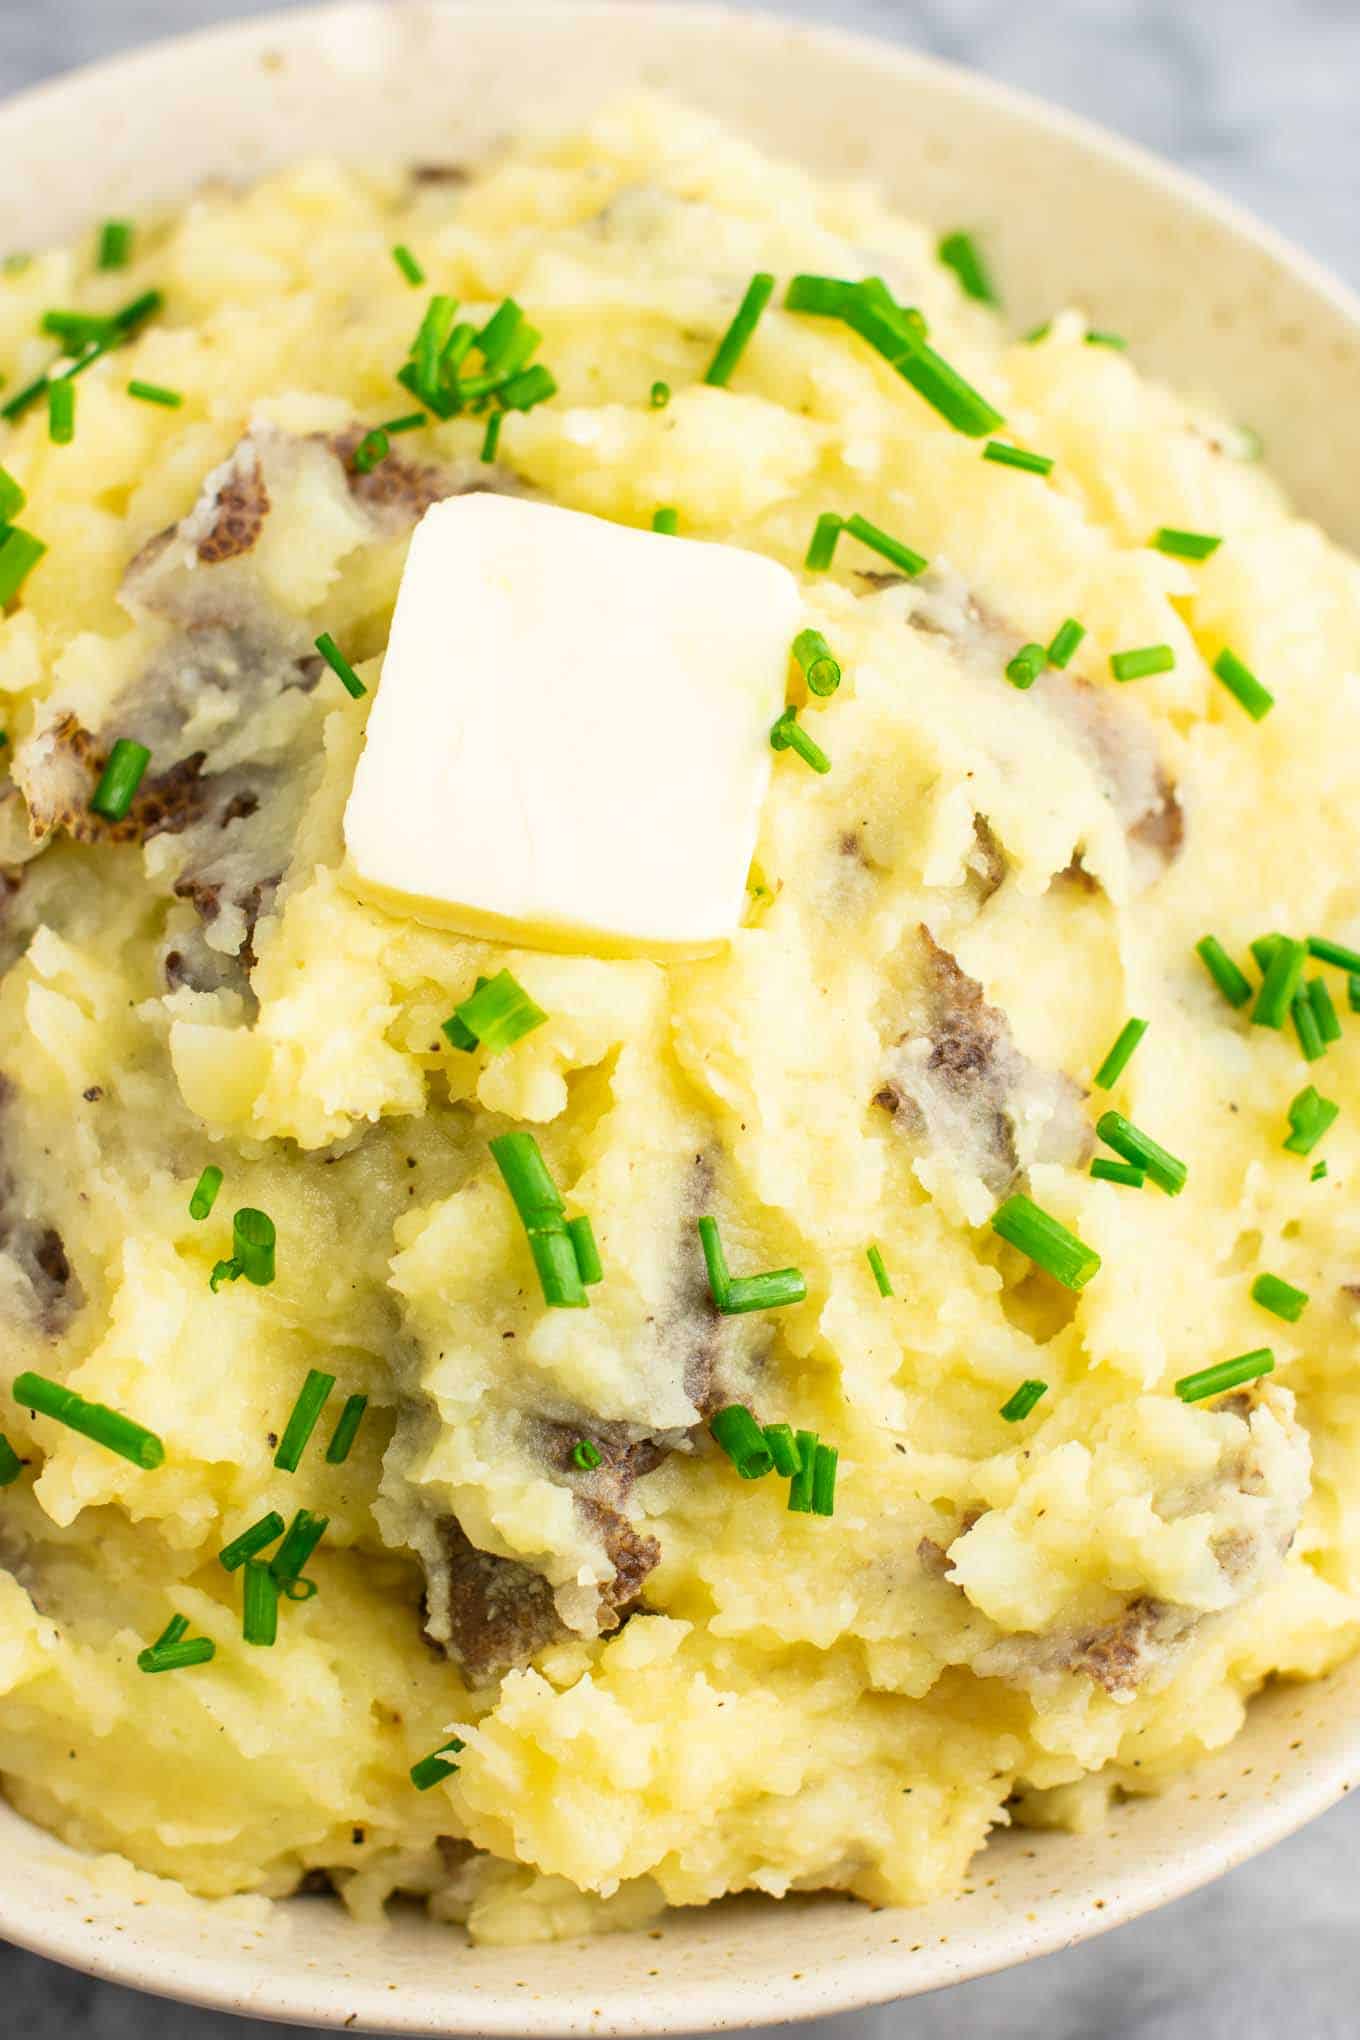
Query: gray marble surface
point(1258, 96)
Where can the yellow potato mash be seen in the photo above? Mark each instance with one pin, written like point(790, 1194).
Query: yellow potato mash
point(668, 1685)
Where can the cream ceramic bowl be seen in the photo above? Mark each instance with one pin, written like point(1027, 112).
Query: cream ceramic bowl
point(1209, 300)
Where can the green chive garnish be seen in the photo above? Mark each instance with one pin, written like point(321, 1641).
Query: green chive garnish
point(715, 1261)
point(1230, 981)
point(1128, 1173)
point(819, 668)
point(735, 1295)
point(586, 1455)
point(1016, 457)
point(115, 244)
point(1325, 1013)
point(959, 252)
point(11, 1466)
point(1116, 1062)
point(303, 1535)
point(880, 1273)
point(495, 1016)
point(12, 497)
point(1353, 991)
point(824, 1480)
point(491, 438)
point(1309, 1118)
point(61, 411)
point(522, 392)
point(253, 1240)
point(733, 343)
point(660, 396)
point(1327, 951)
point(788, 734)
point(260, 1604)
point(1046, 1241)
point(1279, 987)
point(824, 296)
point(1065, 641)
point(1228, 1374)
point(1184, 545)
point(346, 1430)
point(800, 1487)
point(409, 267)
point(234, 1555)
point(536, 1199)
point(1243, 685)
point(823, 546)
point(95, 1421)
point(1022, 1402)
point(666, 520)
point(1144, 660)
point(372, 449)
point(1097, 338)
point(120, 779)
point(410, 421)
point(783, 1449)
point(891, 333)
point(1318, 1172)
point(1137, 1147)
point(742, 1439)
point(1311, 1042)
point(432, 1769)
point(340, 665)
point(582, 1235)
point(19, 554)
point(174, 1649)
point(205, 1192)
point(1279, 1297)
point(155, 393)
point(308, 1407)
point(902, 556)
point(1024, 669)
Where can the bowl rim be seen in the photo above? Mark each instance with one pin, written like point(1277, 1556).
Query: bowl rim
point(857, 1981)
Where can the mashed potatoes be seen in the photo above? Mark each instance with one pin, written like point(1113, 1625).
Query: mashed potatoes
point(669, 1686)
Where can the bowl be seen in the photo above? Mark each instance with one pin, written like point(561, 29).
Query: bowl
point(1208, 299)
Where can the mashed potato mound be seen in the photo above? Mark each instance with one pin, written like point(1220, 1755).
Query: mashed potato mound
point(669, 1687)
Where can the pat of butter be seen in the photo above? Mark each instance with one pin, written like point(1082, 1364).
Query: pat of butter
point(570, 740)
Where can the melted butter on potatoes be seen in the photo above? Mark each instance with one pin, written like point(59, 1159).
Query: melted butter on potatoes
point(668, 1685)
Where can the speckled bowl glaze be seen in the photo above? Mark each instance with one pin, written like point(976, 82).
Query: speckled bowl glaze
point(1208, 299)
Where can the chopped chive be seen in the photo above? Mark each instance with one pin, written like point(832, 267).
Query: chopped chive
point(1324, 1011)
point(76, 331)
point(223, 1271)
point(819, 668)
point(433, 1769)
point(666, 520)
point(1098, 338)
point(1046, 1241)
point(1327, 951)
point(880, 1273)
point(1309, 1118)
point(303, 1535)
point(1018, 1406)
point(1227, 1374)
point(1036, 334)
point(1146, 1154)
point(1106, 1171)
point(581, 1233)
point(773, 1290)
point(1184, 545)
point(535, 1198)
point(260, 1605)
point(824, 296)
point(734, 341)
point(19, 554)
point(310, 1402)
point(1065, 641)
point(1280, 985)
point(115, 245)
point(586, 1455)
point(824, 1480)
point(1017, 457)
point(346, 1429)
point(902, 556)
point(1318, 1172)
point(1144, 660)
point(800, 1487)
point(205, 1192)
point(498, 334)
point(823, 546)
point(522, 392)
point(372, 449)
point(456, 1030)
point(130, 318)
point(788, 734)
point(496, 1015)
point(959, 252)
point(61, 411)
point(234, 1555)
point(12, 497)
point(173, 1657)
point(253, 1241)
point(783, 1449)
point(1279, 1297)
point(340, 665)
point(1243, 684)
point(175, 1628)
point(491, 438)
point(298, 1589)
point(1353, 991)
point(409, 267)
point(410, 421)
point(742, 1439)
point(1224, 972)
point(24, 399)
point(155, 393)
point(715, 1261)
point(1116, 1062)
point(95, 1421)
point(121, 777)
point(1306, 1027)
point(1263, 949)
point(1024, 669)
point(432, 336)
point(11, 1466)
point(660, 396)
point(899, 340)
